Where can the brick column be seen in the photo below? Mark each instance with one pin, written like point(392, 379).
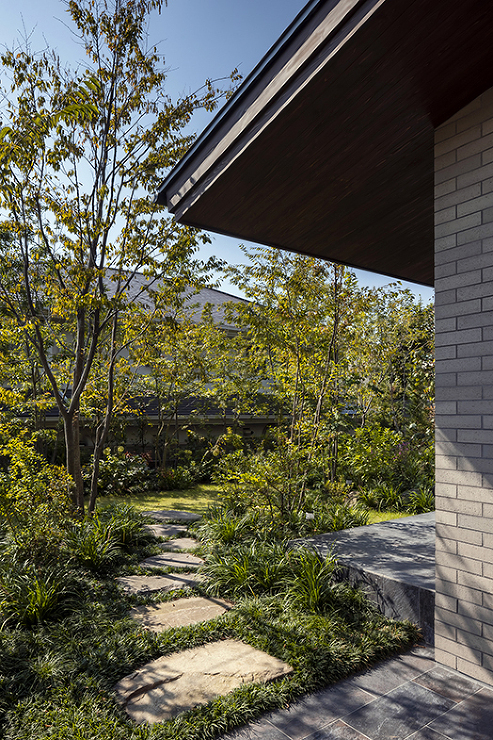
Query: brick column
point(464, 389)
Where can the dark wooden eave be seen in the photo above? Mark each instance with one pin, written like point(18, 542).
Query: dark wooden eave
point(327, 147)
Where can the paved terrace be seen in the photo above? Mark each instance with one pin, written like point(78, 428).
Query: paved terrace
point(409, 697)
point(405, 698)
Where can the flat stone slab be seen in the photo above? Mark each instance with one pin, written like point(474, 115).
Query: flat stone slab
point(172, 560)
point(401, 549)
point(181, 544)
point(150, 584)
point(393, 562)
point(165, 530)
point(166, 515)
point(175, 683)
point(160, 617)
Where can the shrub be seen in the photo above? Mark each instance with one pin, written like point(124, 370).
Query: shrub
point(421, 501)
point(35, 505)
point(231, 575)
point(275, 482)
point(267, 568)
point(223, 527)
point(176, 479)
point(377, 453)
point(246, 570)
point(126, 524)
point(121, 473)
point(339, 516)
point(371, 453)
point(384, 497)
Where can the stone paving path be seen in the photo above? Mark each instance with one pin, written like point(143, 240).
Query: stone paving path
point(173, 560)
point(405, 698)
point(150, 584)
point(179, 544)
point(174, 683)
point(176, 557)
point(171, 515)
point(166, 530)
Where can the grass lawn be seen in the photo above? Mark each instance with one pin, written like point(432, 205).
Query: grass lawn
point(385, 516)
point(201, 498)
point(198, 499)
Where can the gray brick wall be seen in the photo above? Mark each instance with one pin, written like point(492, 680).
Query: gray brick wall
point(464, 389)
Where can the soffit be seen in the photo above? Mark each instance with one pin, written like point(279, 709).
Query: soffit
point(328, 148)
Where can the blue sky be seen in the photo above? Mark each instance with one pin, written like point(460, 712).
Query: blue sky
point(200, 39)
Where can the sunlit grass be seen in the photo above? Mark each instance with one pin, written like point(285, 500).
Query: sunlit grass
point(198, 499)
point(384, 516)
point(201, 498)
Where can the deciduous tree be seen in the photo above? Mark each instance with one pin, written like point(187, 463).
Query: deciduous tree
point(80, 153)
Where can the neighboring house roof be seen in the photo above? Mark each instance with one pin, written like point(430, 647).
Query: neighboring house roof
point(141, 288)
point(192, 408)
point(327, 147)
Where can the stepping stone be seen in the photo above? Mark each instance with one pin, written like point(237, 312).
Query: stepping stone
point(165, 530)
point(167, 515)
point(160, 617)
point(179, 545)
point(175, 683)
point(173, 560)
point(150, 584)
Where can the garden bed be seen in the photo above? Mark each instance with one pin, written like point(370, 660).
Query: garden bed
point(59, 669)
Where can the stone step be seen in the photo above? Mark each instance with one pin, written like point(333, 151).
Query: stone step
point(179, 612)
point(172, 515)
point(165, 530)
point(173, 560)
point(150, 584)
point(175, 683)
point(181, 544)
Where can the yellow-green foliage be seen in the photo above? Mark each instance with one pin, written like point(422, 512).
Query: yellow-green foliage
point(34, 495)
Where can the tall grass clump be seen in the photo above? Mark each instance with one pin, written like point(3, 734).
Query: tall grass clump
point(93, 543)
point(248, 569)
point(30, 595)
point(311, 583)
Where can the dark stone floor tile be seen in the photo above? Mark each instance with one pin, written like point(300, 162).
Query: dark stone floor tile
point(448, 683)
point(392, 673)
point(294, 723)
point(337, 731)
point(262, 730)
point(428, 734)
point(403, 711)
point(317, 710)
point(472, 719)
point(423, 651)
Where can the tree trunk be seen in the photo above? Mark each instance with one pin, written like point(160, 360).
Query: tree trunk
point(101, 436)
point(72, 447)
point(104, 428)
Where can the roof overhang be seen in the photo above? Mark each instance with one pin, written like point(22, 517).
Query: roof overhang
point(327, 147)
